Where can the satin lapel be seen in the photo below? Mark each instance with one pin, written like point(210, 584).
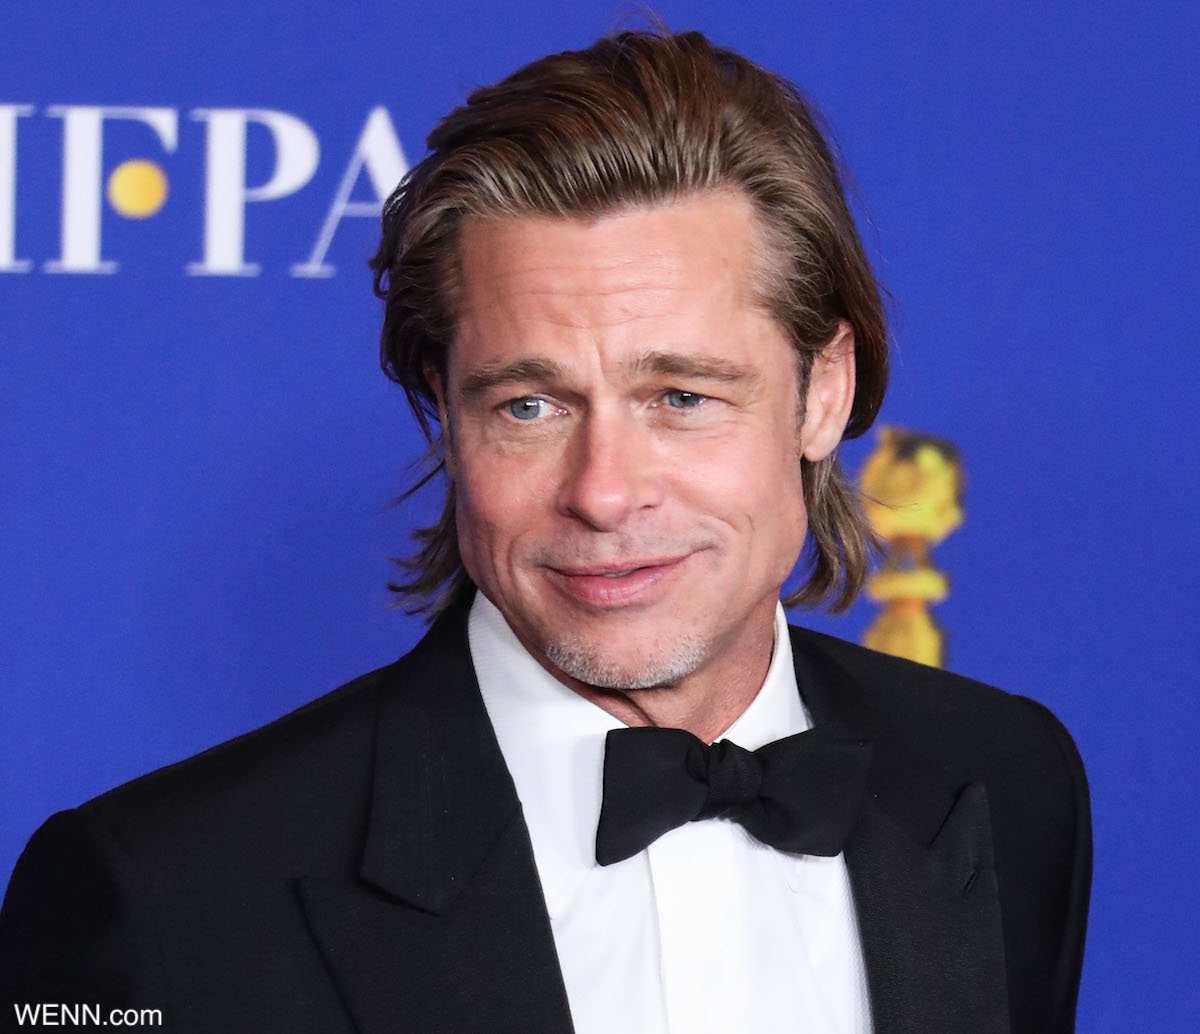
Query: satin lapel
point(922, 873)
point(447, 929)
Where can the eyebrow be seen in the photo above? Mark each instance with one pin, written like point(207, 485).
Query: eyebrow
point(496, 372)
point(687, 364)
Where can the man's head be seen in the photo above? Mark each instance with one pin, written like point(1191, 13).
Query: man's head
point(643, 249)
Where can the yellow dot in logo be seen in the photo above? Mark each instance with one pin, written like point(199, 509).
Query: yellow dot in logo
point(137, 188)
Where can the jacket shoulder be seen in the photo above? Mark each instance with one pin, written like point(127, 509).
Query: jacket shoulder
point(295, 790)
point(916, 698)
point(303, 744)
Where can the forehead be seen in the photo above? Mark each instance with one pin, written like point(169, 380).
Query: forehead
point(679, 273)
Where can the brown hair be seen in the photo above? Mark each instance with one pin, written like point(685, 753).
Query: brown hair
point(636, 118)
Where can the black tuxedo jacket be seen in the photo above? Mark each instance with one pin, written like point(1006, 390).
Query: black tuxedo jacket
point(362, 865)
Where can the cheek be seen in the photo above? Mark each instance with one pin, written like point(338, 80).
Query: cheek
point(740, 489)
point(789, 516)
point(472, 518)
point(768, 492)
point(494, 505)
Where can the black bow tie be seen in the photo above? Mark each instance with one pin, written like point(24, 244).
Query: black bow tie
point(798, 794)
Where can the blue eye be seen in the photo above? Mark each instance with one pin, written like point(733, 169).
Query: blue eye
point(677, 399)
point(527, 408)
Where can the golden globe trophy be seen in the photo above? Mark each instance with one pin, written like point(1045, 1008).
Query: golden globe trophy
point(912, 486)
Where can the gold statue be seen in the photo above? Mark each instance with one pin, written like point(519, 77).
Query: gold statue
point(912, 487)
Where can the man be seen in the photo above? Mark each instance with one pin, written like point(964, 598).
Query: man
point(626, 287)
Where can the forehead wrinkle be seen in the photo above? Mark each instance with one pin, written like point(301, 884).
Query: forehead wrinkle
point(570, 242)
point(586, 303)
point(578, 272)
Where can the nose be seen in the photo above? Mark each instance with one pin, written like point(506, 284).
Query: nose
point(610, 472)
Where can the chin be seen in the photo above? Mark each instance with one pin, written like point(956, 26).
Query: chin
point(595, 663)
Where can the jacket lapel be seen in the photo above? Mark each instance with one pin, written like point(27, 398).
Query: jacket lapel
point(922, 873)
point(447, 928)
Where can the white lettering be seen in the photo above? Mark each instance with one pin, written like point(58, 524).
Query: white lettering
point(73, 1015)
point(9, 113)
point(135, 1018)
point(27, 1013)
point(226, 193)
point(83, 150)
point(379, 150)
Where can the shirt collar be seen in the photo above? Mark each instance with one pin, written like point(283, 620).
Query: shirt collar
point(552, 739)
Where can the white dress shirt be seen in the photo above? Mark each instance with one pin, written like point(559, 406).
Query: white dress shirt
point(706, 929)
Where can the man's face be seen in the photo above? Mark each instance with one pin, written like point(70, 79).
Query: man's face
point(624, 440)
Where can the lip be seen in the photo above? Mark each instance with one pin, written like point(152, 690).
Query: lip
point(604, 586)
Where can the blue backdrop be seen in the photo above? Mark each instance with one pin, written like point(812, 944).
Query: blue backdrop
point(199, 451)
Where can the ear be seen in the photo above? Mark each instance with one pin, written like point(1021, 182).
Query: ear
point(434, 380)
point(830, 396)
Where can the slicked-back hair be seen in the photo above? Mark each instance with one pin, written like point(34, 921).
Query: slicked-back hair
point(637, 118)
